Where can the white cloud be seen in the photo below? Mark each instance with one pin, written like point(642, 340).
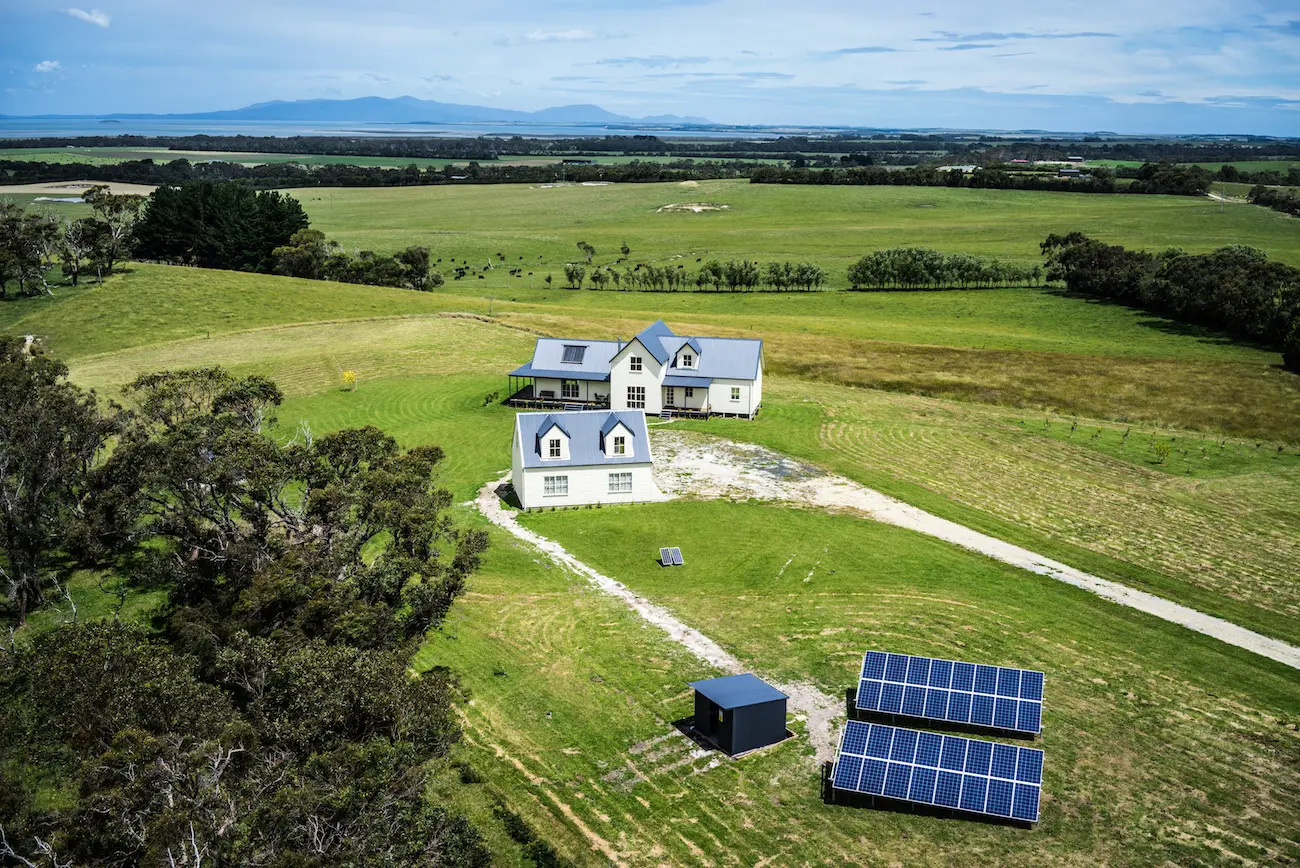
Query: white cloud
point(48, 66)
point(94, 16)
point(574, 35)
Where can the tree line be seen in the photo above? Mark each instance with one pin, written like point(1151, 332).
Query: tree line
point(734, 275)
point(1285, 201)
point(268, 715)
point(922, 268)
point(1235, 289)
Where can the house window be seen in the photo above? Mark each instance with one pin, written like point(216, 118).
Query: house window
point(555, 486)
point(636, 397)
point(620, 482)
point(735, 393)
point(671, 396)
point(573, 354)
point(690, 392)
point(634, 364)
point(553, 447)
point(620, 445)
point(688, 360)
point(569, 389)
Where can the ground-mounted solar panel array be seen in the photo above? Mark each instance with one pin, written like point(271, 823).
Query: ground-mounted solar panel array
point(946, 690)
point(941, 771)
point(671, 557)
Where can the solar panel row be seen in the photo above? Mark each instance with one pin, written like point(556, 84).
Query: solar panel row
point(671, 557)
point(940, 770)
point(948, 690)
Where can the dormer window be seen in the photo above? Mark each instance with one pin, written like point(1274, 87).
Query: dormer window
point(634, 364)
point(620, 446)
point(688, 360)
point(553, 447)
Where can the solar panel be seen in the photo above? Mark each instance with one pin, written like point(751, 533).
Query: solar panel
point(966, 693)
point(677, 556)
point(573, 355)
point(946, 771)
point(666, 557)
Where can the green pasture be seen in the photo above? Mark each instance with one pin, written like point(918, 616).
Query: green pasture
point(537, 227)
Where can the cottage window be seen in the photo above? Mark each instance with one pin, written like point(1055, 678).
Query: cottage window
point(553, 447)
point(555, 486)
point(636, 397)
point(620, 445)
point(735, 393)
point(634, 364)
point(690, 391)
point(569, 389)
point(688, 360)
point(619, 482)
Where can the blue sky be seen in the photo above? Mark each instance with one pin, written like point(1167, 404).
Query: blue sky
point(1123, 65)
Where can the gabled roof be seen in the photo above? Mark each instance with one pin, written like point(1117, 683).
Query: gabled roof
point(737, 691)
point(716, 358)
point(548, 422)
point(585, 428)
point(611, 423)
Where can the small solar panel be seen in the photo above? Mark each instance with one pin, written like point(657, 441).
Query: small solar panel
point(573, 354)
point(676, 554)
point(965, 774)
point(998, 697)
point(666, 557)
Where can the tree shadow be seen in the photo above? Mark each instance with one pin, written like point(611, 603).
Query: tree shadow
point(1165, 324)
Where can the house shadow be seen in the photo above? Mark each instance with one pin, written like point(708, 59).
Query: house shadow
point(907, 720)
point(506, 493)
point(833, 797)
point(686, 726)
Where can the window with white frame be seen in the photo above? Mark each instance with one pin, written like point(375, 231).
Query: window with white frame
point(690, 391)
point(619, 482)
point(620, 446)
point(636, 397)
point(569, 389)
point(634, 363)
point(555, 486)
point(553, 448)
point(688, 360)
point(735, 393)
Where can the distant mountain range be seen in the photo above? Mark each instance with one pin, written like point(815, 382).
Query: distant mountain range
point(409, 110)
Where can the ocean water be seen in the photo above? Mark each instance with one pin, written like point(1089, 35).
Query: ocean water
point(67, 126)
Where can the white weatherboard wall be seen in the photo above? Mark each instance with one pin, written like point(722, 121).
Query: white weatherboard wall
point(720, 396)
point(588, 390)
point(586, 485)
point(650, 377)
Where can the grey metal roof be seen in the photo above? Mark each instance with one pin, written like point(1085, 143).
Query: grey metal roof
point(737, 691)
point(716, 358)
point(585, 429)
point(678, 380)
point(548, 355)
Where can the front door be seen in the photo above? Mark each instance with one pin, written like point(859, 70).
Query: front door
point(670, 396)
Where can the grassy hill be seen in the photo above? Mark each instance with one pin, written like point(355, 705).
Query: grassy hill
point(1163, 746)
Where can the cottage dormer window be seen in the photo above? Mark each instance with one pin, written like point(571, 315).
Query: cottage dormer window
point(620, 446)
point(553, 447)
point(688, 360)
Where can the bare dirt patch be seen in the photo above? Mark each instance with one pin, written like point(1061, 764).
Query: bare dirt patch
point(68, 188)
point(691, 208)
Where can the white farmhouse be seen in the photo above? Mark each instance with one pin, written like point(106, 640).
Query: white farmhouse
point(655, 372)
point(576, 458)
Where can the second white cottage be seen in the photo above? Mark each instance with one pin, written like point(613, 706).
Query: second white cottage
point(582, 457)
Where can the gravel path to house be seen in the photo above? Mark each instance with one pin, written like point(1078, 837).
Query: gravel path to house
point(820, 710)
point(693, 465)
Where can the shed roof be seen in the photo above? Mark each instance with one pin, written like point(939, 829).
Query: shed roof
point(585, 429)
point(737, 691)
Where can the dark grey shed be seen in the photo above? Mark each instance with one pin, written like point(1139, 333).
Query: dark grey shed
point(739, 713)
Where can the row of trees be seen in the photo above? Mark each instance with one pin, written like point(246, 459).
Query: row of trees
point(1234, 289)
point(734, 275)
point(32, 242)
point(1285, 201)
point(923, 268)
point(269, 717)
